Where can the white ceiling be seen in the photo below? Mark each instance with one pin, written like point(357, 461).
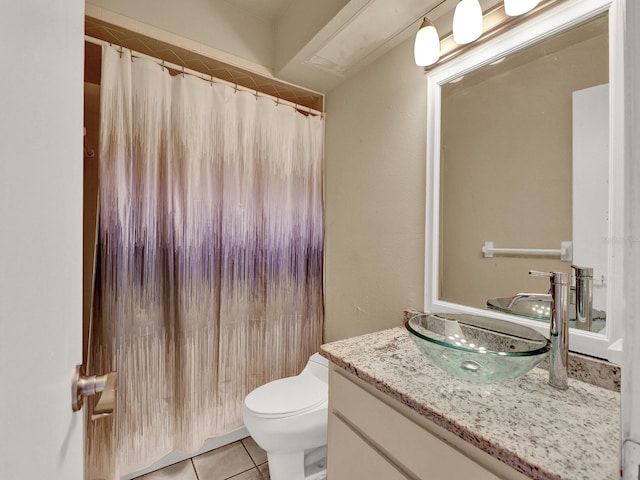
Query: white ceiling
point(355, 36)
point(376, 24)
point(267, 9)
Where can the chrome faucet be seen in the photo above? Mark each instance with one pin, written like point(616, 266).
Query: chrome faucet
point(581, 296)
point(558, 327)
point(584, 296)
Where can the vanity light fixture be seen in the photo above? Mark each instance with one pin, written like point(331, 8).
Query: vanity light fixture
point(470, 23)
point(426, 49)
point(467, 22)
point(518, 7)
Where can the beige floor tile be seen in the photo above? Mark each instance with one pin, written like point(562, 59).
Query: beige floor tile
point(264, 470)
point(223, 462)
point(258, 455)
point(179, 471)
point(252, 474)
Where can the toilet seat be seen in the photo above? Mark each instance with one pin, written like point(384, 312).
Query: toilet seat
point(287, 396)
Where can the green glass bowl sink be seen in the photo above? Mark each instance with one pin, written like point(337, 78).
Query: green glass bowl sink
point(477, 349)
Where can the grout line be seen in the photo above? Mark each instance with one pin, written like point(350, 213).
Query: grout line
point(248, 453)
point(244, 471)
point(194, 468)
point(260, 471)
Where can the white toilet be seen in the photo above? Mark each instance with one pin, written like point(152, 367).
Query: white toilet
point(288, 419)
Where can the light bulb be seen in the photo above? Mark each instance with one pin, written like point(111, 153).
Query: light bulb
point(467, 22)
point(426, 49)
point(518, 7)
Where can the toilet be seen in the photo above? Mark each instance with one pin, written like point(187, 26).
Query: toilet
point(288, 419)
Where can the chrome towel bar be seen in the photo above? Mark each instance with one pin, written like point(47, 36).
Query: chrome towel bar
point(565, 251)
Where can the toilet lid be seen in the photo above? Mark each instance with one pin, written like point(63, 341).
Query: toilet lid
point(287, 396)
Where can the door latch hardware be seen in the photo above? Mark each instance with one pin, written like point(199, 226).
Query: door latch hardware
point(83, 386)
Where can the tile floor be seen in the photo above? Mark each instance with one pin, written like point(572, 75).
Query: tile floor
point(242, 460)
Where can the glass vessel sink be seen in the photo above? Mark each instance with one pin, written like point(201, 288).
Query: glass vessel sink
point(477, 349)
point(540, 308)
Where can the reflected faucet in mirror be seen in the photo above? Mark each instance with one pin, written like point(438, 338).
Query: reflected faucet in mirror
point(537, 306)
point(583, 296)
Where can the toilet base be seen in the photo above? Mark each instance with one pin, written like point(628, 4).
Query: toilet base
point(286, 466)
point(316, 471)
point(309, 465)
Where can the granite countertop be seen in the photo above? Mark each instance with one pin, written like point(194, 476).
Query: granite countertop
point(542, 432)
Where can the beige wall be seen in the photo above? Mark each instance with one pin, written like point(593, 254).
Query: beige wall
point(507, 166)
point(375, 196)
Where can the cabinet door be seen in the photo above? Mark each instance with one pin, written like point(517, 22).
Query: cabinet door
point(408, 446)
point(352, 458)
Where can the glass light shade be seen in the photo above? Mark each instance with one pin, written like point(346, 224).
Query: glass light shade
point(426, 49)
point(467, 21)
point(518, 7)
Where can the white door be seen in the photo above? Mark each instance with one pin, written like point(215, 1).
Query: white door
point(41, 53)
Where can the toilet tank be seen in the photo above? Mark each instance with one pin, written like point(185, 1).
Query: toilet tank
point(317, 366)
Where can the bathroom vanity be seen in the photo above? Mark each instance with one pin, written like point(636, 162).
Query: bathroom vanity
point(394, 415)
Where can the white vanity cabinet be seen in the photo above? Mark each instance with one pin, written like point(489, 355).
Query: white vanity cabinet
point(372, 436)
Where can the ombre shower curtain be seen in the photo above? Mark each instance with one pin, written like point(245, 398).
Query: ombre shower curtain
point(209, 269)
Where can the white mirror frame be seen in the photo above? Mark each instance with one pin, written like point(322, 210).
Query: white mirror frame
point(567, 14)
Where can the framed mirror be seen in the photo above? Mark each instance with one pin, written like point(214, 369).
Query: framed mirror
point(524, 153)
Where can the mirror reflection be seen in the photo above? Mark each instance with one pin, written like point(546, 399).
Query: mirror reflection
point(524, 165)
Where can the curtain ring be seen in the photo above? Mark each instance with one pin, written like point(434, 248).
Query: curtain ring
point(162, 65)
point(183, 71)
point(131, 55)
point(235, 88)
point(211, 80)
point(277, 101)
point(121, 51)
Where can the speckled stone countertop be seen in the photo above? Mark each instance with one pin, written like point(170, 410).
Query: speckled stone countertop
point(542, 432)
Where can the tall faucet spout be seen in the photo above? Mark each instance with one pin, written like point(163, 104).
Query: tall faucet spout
point(558, 328)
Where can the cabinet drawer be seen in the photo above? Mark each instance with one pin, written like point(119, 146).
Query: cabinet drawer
point(352, 458)
point(408, 445)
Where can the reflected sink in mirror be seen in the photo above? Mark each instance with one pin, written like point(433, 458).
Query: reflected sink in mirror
point(539, 308)
point(477, 349)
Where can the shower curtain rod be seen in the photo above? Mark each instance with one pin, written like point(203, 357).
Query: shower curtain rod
point(208, 78)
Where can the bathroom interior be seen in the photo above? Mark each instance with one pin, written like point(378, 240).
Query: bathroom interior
point(514, 138)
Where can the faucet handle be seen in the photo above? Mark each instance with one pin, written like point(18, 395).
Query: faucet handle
point(556, 278)
point(538, 273)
